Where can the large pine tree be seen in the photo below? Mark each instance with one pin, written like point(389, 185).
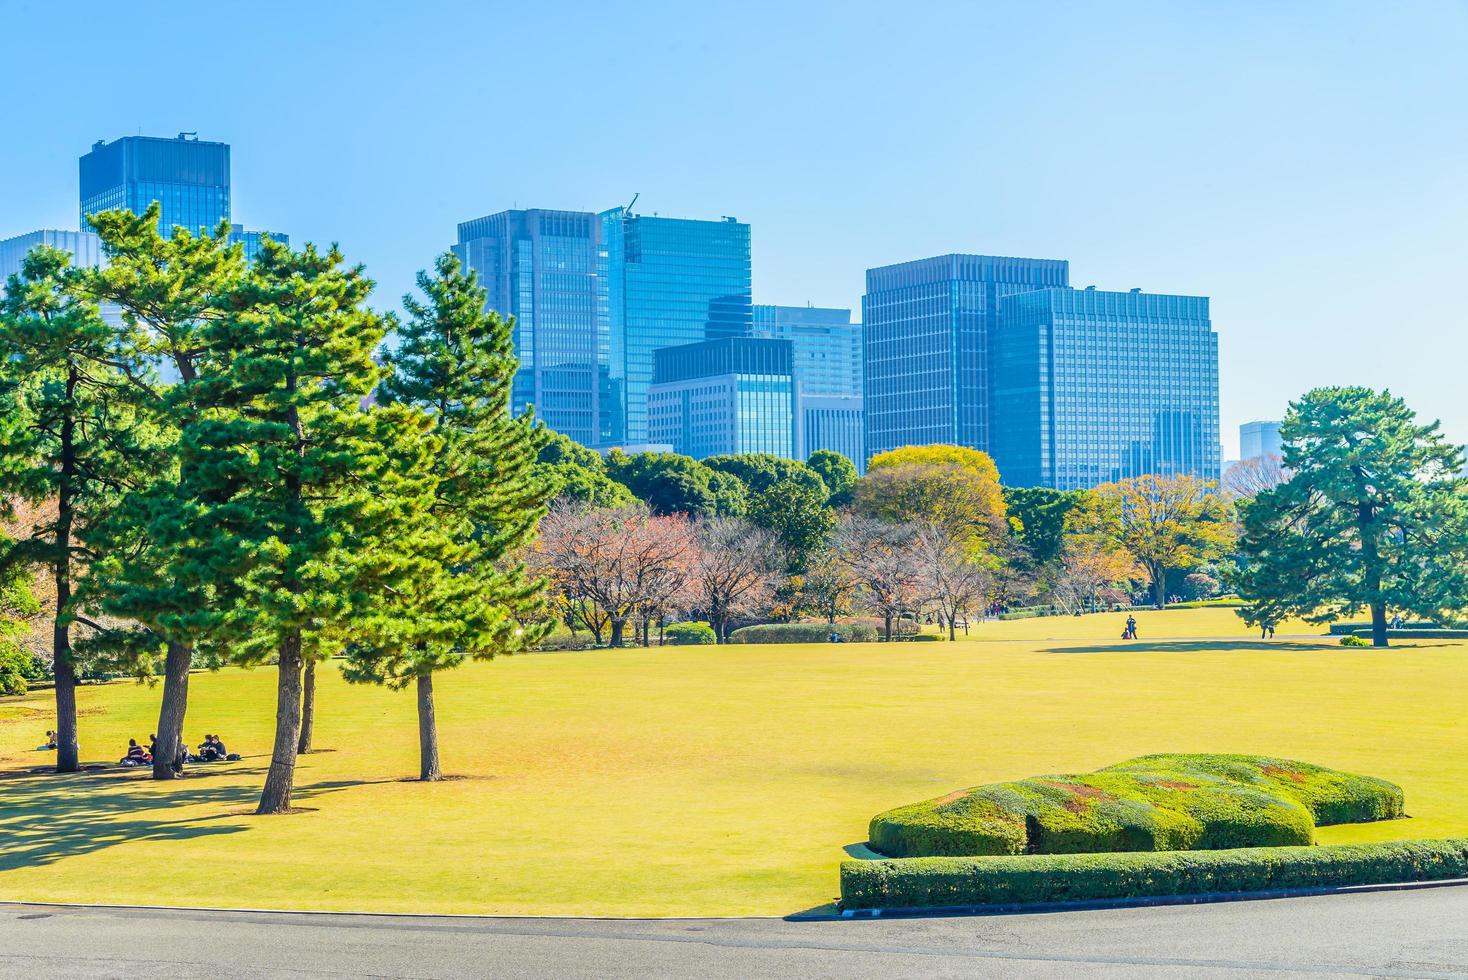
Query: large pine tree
point(166, 291)
point(284, 477)
point(1373, 515)
point(69, 440)
point(464, 596)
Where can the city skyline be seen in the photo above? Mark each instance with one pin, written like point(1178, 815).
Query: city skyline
point(1275, 189)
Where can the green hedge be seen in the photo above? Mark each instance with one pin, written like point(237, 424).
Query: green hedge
point(1028, 612)
point(1416, 634)
point(940, 882)
point(1341, 629)
point(803, 633)
point(689, 634)
point(1152, 803)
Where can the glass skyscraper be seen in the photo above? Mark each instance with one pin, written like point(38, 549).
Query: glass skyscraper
point(85, 248)
point(547, 269)
point(1260, 439)
point(1093, 386)
point(826, 345)
point(928, 326)
point(188, 177)
point(732, 395)
point(670, 281)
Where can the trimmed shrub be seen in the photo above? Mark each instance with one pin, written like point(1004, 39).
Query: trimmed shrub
point(1354, 641)
point(803, 633)
point(949, 882)
point(1028, 612)
point(1152, 803)
point(689, 634)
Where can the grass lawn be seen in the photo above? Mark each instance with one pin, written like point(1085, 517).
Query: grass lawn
point(695, 780)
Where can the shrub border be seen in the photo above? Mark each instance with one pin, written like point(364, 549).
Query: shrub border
point(1027, 881)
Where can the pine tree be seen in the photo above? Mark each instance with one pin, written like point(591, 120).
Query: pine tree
point(1373, 515)
point(464, 595)
point(69, 438)
point(284, 478)
point(167, 290)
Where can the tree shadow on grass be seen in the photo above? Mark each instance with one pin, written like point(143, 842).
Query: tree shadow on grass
point(1194, 646)
point(45, 817)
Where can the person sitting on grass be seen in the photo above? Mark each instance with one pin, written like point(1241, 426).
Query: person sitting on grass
point(136, 756)
point(219, 749)
point(50, 745)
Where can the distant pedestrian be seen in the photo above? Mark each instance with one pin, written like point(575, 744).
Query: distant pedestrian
point(1131, 629)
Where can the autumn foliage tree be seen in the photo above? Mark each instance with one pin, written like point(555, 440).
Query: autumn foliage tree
point(1166, 523)
point(954, 487)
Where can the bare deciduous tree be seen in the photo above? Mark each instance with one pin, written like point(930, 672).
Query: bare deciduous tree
point(735, 570)
point(951, 575)
point(883, 558)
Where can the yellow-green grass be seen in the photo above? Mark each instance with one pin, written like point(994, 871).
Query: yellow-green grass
point(695, 780)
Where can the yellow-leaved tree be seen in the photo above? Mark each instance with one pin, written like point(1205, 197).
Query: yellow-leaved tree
point(952, 487)
point(1167, 523)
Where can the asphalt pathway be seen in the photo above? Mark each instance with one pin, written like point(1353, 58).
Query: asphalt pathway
point(1414, 933)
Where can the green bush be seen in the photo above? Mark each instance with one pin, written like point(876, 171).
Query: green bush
point(689, 634)
point(1028, 612)
point(1152, 803)
point(1224, 602)
point(1354, 641)
point(1418, 634)
point(939, 882)
point(803, 633)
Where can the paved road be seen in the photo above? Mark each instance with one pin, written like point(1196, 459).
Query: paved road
point(1422, 933)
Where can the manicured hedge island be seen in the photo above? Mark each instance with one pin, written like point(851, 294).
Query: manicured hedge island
point(1153, 803)
point(1152, 826)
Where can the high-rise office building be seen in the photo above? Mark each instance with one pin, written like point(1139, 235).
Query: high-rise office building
point(831, 422)
point(731, 395)
point(670, 281)
point(1094, 386)
point(928, 326)
point(826, 345)
point(547, 270)
point(595, 295)
point(187, 176)
point(84, 246)
point(1258, 439)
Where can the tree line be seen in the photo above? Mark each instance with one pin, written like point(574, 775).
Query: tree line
point(235, 466)
point(294, 490)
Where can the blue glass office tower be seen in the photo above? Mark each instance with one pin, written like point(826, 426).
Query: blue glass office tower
point(670, 281)
point(547, 270)
point(1093, 386)
point(731, 395)
point(927, 326)
point(188, 177)
point(825, 343)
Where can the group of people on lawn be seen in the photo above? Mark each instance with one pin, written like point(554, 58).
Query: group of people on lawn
point(210, 750)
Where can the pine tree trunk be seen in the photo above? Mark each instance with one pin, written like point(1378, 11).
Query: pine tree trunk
point(428, 765)
point(68, 752)
point(1378, 624)
point(1159, 587)
point(171, 712)
point(308, 709)
point(280, 781)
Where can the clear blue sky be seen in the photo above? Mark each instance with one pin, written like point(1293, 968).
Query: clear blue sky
point(1304, 164)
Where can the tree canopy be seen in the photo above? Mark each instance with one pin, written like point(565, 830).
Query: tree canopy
point(837, 472)
point(1372, 515)
point(760, 471)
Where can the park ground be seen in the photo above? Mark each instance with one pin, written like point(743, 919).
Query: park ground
point(694, 780)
